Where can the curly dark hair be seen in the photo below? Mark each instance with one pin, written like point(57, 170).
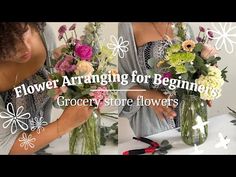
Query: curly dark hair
point(11, 33)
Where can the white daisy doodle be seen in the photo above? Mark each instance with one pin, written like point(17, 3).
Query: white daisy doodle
point(14, 118)
point(38, 124)
point(27, 141)
point(196, 150)
point(200, 124)
point(119, 46)
point(225, 36)
point(224, 141)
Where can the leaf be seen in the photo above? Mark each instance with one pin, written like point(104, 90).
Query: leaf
point(190, 67)
point(223, 74)
point(213, 60)
point(231, 110)
point(150, 72)
point(198, 47)
point(233, 121)
point(184, 76)
point(51, 93)
point(200, 65)
point(86, 91)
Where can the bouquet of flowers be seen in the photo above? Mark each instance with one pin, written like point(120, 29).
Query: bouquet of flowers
point(195, 63)
point(85, 56)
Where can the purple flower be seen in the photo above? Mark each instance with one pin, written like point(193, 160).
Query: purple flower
point(199, 39)
point(62, 29)
point(65, 65)
point(85, 52)
point(210, 34)
point(166, 75)
point(72, 27)
point(201, 29)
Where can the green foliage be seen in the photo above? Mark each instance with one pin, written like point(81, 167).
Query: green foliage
point(200, 65)
point(109, 133)
point(198, 47)
point(223, 74)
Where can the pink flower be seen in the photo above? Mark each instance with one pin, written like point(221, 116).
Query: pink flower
point(59, 91)
point(72, 27)
point(65, 65)
point(85, 52)
point(210, 34)
point(62, 29)
point(100, 95)
point(166, 75)
point(201, 29)
point(199, 39)
point(208, 51)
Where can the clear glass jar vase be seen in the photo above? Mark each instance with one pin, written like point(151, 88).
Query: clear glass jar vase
point(193, 118)
point(85, 140)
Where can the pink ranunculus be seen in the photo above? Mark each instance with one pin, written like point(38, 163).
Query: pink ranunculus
point(65, 65)
point(101, 94)
point(208, 51)
point(85, 52)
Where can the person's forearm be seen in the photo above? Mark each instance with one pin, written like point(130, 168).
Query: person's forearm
point(134, 94)
point(139, 91)
point(51, 132)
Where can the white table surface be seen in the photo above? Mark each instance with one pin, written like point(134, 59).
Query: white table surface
point(218, 124)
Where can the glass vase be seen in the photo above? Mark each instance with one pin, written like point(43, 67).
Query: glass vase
point(193, 119)
point(85, 140)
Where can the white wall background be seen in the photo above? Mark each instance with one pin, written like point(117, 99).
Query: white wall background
point(228, 97)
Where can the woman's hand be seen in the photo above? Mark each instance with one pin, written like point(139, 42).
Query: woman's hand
point(162, 111)
point(74, 116)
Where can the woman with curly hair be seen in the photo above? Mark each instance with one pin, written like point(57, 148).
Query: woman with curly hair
point(25, 50)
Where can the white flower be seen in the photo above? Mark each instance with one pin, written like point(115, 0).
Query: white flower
point(225, 35)
point(38, 124)
point(15, 118)
point(118, 46)
point(27, 141)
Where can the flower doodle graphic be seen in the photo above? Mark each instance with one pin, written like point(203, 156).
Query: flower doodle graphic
point(15, 118)
point(200, 124)
point(38, 124)
point(224, 141)
point(119, 46)
point(27, 141)
point(225, 36)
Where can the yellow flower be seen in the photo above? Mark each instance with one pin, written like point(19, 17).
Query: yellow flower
point(188, 45)
point(114, 72)
point(84, 68)
point(160, 63)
